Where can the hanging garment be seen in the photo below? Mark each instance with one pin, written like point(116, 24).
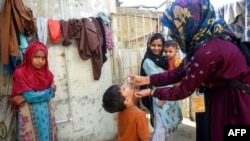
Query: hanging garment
point(96, 52)
point(109, 40)
point(88, 36)
point(54, 31)
point(42, 29)
point(104, 46)
point(15, 17)
point(65, 33)
point(89, 41)
point(104, 18)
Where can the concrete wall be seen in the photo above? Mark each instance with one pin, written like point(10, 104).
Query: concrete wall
point(77, 104)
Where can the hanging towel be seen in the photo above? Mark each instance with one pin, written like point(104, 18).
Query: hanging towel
point(54, 31)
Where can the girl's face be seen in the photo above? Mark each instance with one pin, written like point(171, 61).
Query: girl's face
point(156, 46)
point(170, 52)
point(39, 59)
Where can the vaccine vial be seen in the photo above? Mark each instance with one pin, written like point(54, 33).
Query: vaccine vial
point(127, 81)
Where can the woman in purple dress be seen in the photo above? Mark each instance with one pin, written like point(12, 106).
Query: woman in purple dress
point(212, 59)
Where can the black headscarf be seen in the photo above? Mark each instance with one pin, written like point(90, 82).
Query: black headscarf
point(159, 60)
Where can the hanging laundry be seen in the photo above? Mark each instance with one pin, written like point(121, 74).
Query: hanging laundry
point(104, 46)
point(106, 24)
point(104, 18)
point(73, 29)
point(109, 39)
point(13, 60)
point(42, 29)
point(96, 54)
point(87, 33)
point(23, 45)
point(15, 18)
point(65, 33)
point(54, 31)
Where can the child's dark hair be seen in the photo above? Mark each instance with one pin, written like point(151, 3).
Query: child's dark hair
point(112, 100)
point(169, 43)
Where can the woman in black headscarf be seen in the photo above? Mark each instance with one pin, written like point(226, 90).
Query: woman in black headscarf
point(165, 116)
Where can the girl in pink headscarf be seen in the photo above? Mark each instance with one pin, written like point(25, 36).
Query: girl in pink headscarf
point(31, 93)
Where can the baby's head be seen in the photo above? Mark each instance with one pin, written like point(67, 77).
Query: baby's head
point(117, 98)
point(171, 49)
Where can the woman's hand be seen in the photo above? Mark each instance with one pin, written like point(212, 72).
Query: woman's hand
point(136, 80)
point(18, 99)
point(160, 103)
point(142, 93)
point(53, 86)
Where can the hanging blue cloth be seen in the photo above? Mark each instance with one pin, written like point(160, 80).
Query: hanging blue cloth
point(13, 60)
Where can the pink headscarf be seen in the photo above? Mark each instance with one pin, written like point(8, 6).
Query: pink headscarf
point(26, 77)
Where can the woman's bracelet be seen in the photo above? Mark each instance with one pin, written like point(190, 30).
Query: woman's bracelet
point(150, 93)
